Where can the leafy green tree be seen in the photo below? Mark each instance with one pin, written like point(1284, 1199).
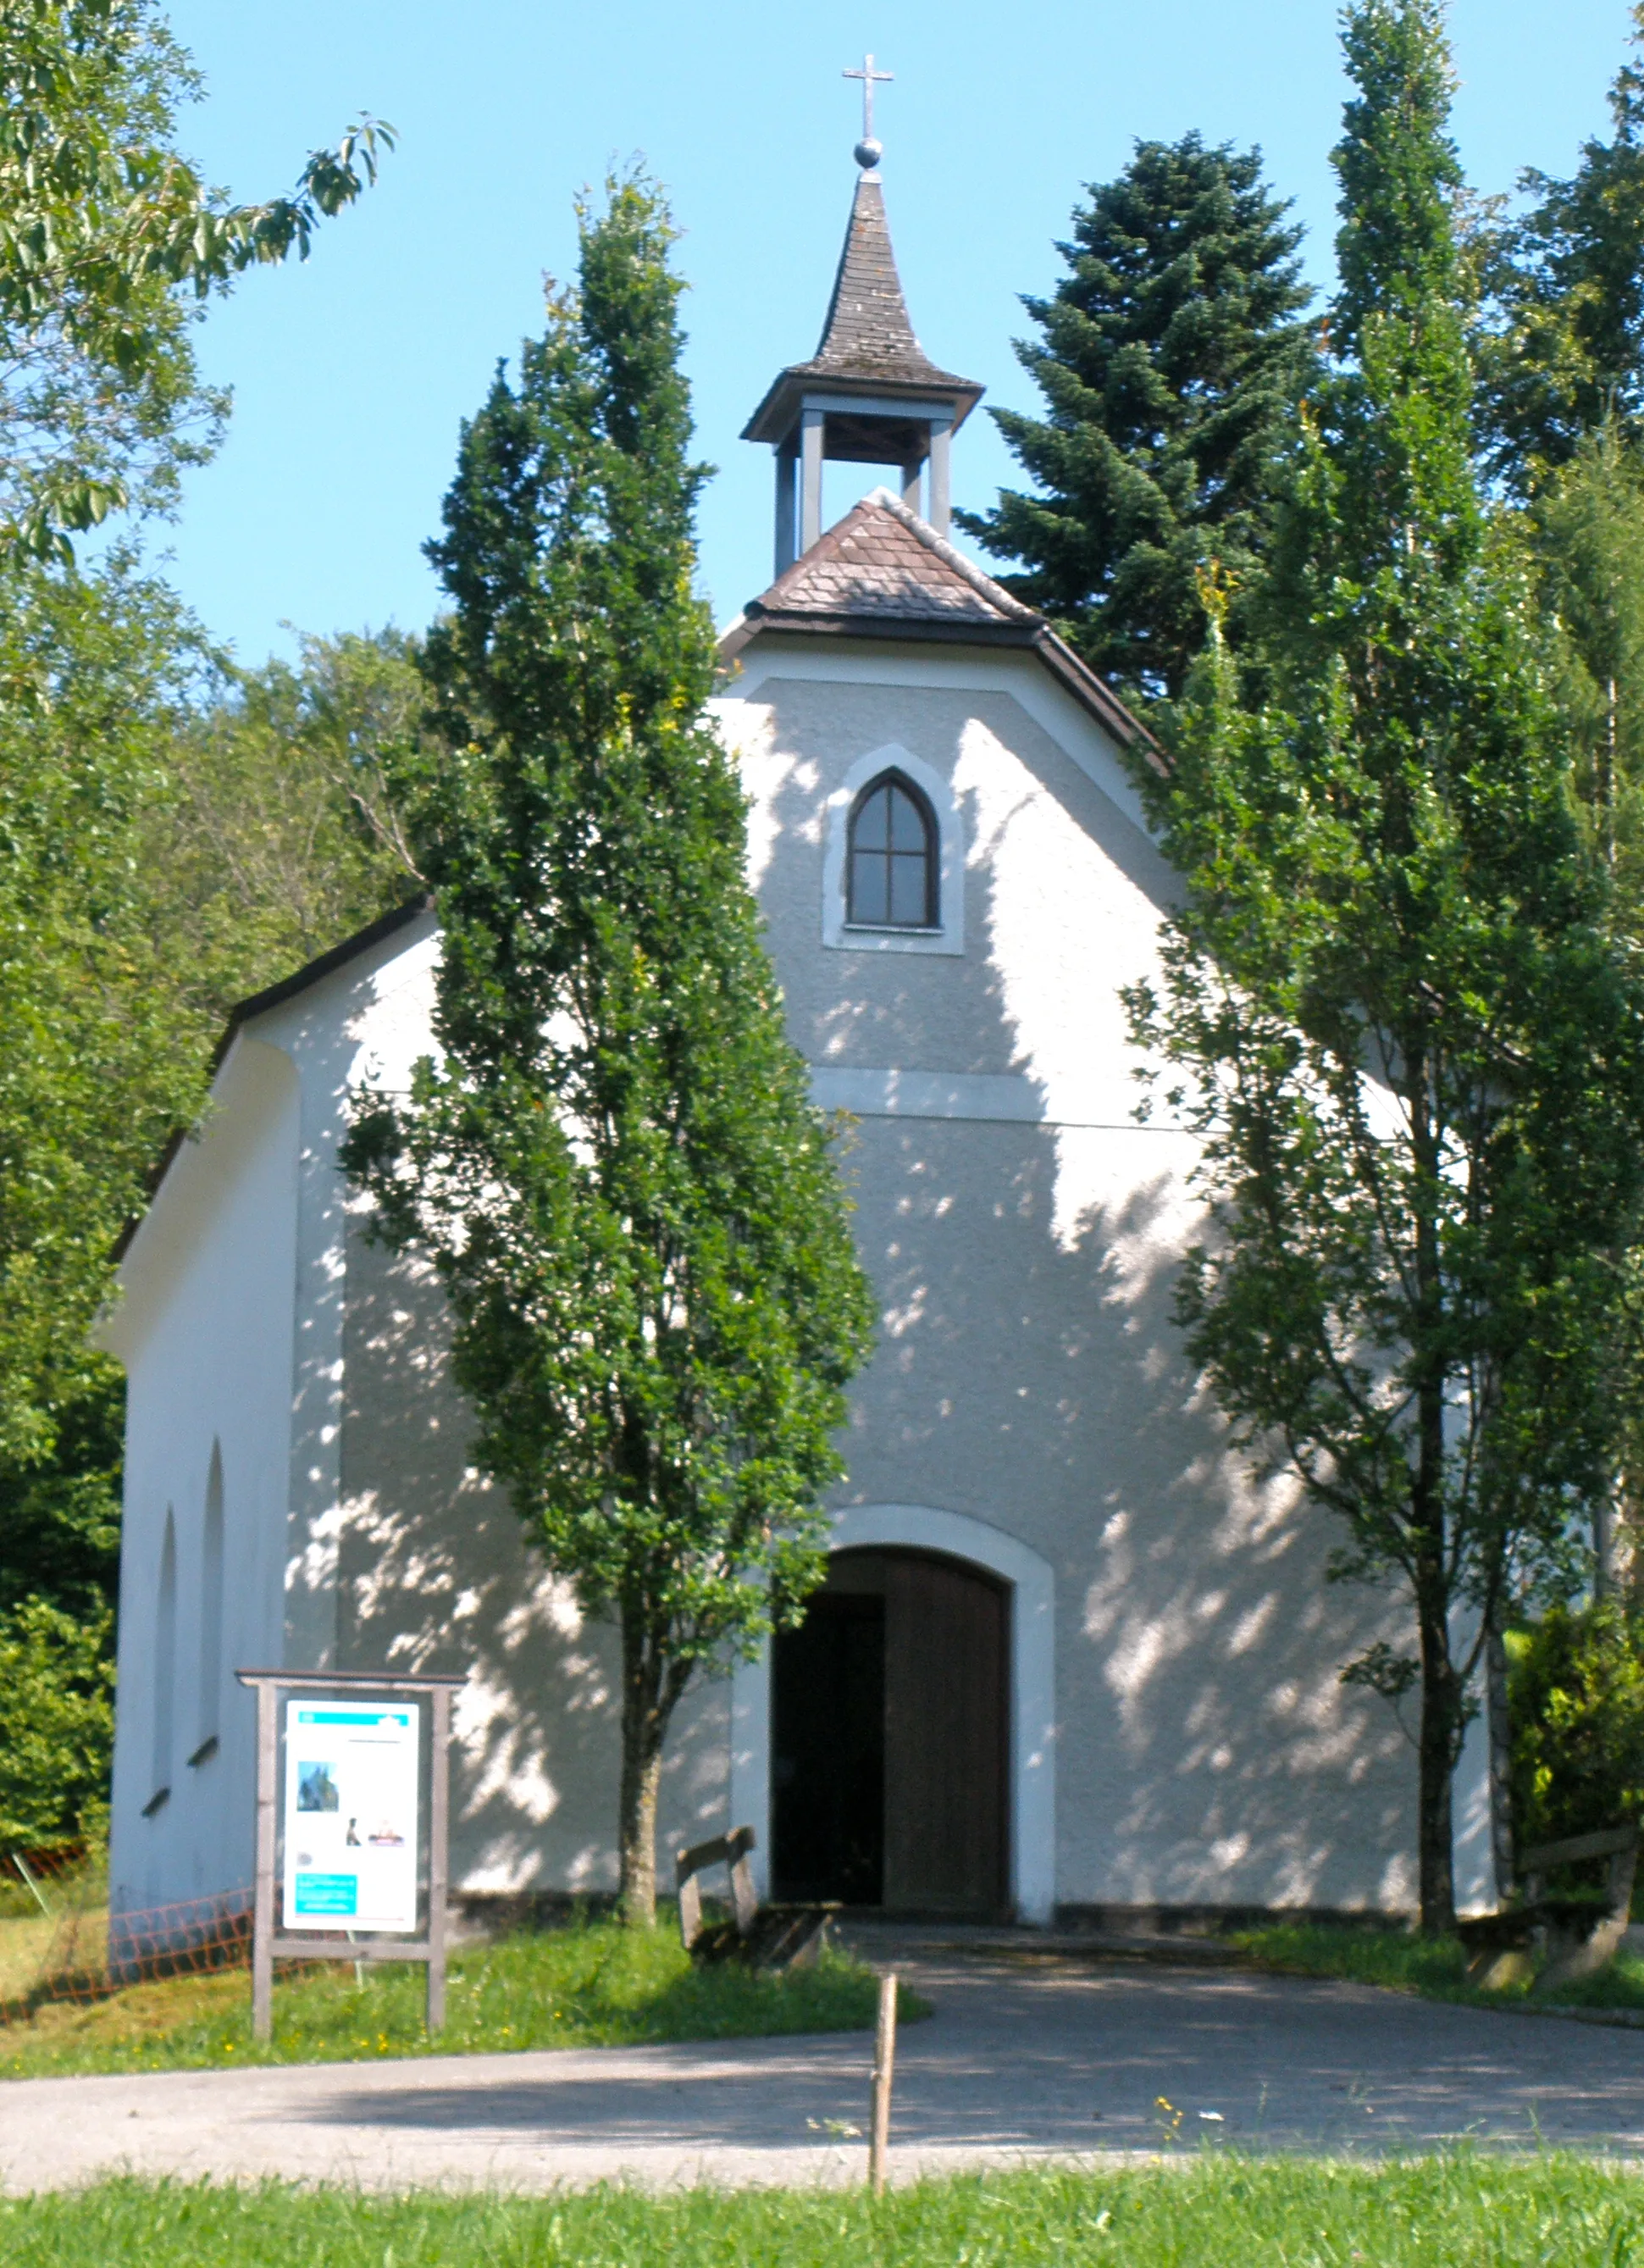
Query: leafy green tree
point(1402, 1027)
point(60, 1509)
point(1170, 361)
point(1565, 354)
point(277, 834)
point(173, 840)
point(614, 1165)
point(109, 242)
point(1577, 1683)
point(98, 1061)
point(108, 239)
point(1586, 533)
point(56, 1724)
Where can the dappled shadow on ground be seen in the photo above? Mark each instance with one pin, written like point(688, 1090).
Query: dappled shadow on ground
point(1076, 2057)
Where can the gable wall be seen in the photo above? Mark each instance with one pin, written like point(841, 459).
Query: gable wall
point(1024, 1234)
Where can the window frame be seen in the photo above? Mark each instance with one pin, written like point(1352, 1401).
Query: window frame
point(894, 779)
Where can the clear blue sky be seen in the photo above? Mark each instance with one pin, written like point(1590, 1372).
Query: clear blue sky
point(351, 375)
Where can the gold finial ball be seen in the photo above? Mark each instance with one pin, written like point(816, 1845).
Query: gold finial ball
point(869, 154)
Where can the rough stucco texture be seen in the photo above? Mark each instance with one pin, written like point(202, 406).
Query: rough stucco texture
point(1027, 1376)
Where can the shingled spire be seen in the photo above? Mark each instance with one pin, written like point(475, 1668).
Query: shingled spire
point(870, 394)
point(867, 335)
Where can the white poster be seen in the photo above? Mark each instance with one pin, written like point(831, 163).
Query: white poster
point(350, 1815)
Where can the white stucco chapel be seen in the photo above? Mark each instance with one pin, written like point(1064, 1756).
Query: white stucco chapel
point(1072, 1659)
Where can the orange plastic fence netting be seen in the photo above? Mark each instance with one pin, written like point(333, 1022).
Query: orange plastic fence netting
point(69, 1946)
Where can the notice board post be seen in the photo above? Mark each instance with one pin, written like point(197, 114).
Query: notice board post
point(353, 1796)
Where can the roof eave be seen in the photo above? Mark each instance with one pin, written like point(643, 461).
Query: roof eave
point(778, 413)
point(1075, 677)
point(258, 1003)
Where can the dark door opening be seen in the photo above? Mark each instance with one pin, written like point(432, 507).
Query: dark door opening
point(889, 1721)
point(827, 1797)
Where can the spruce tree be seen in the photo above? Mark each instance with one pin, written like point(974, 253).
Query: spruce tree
point(1170, 360)
point(1565, 353)
point(1414, 1055)
point(613, 1162)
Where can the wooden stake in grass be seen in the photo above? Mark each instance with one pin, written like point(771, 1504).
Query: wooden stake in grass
point(884, 2063)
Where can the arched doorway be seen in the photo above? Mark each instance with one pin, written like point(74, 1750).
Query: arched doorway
point(889, 1731)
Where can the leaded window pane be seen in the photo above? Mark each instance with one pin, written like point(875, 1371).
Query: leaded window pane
point(893, 859)
point(907, 891)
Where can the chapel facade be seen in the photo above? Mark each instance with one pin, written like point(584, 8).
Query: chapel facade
point(1071, 1658)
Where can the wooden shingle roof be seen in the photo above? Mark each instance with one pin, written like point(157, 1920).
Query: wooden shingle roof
point(868, 343)
point(868, 334)
point(883, 572)
point(882, 560)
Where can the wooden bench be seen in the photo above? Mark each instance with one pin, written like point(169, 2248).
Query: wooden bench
point(723, 1851)
point(766, 1937)
point(1578, 1936)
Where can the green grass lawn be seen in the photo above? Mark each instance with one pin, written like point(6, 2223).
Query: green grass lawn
point(1453, 2212)
point(592, 1984)
point(1433, 1967)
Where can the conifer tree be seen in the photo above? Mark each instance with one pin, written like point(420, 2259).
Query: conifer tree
point(614, 1165)
point(1170, 359)
point(1565, 353)
point(1413, 1052)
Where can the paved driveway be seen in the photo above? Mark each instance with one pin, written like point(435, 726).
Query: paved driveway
point(1028, 2054)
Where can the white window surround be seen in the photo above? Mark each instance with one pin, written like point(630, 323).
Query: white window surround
point(949, 935)
point(1032, 1737)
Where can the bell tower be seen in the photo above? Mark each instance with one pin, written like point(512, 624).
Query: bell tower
point(870, 394)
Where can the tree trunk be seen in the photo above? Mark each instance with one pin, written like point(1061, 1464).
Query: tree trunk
point(1500, 1754)
point(1436, 1750)
point(644, 1724)
point(1439, 1713)
point(1604, 1553)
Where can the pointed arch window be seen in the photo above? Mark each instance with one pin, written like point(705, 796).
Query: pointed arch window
point(165, 1660)
point(210, 1685)
point(892, 858)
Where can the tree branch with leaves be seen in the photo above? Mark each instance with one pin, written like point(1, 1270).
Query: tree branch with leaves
point(108, 239)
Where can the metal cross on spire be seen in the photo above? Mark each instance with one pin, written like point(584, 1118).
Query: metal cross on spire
point(870, 78)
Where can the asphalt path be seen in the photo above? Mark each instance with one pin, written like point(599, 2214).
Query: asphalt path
point(1030, 2054)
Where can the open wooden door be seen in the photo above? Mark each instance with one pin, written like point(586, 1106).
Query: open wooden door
point(946, 1714)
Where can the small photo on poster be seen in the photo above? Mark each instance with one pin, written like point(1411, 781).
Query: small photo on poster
point(317, 1788)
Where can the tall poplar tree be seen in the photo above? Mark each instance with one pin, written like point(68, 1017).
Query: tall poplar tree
point(1170, 359)
point(614, 1165)
point(1402, 1029)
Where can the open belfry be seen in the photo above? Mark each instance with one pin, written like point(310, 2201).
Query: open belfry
point(1070, 1659)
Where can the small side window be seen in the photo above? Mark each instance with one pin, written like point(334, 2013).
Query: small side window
point(210, 1686)
point(165, 1660)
